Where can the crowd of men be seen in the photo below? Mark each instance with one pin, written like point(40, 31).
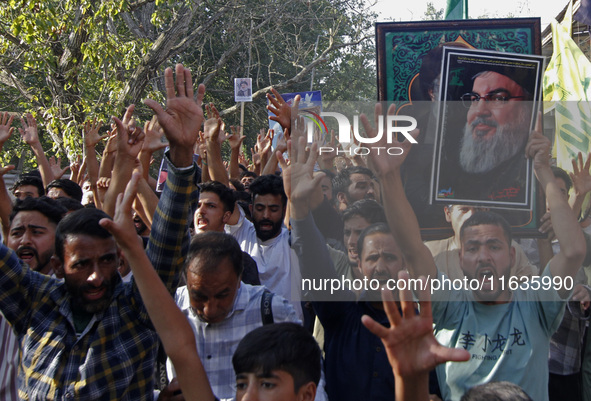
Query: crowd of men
point(110, 290)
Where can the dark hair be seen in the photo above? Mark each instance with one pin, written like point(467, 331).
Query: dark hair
point(248, 174)
point(496, 391)
point(563, 175)
point(81, 222)
point(381, 228)
point(342, 180)
point(268, 184)
point(29, 180)
point(369, 209)
point(281, 346)
point(212, 247)
point(72, 189)
point(48, 207)
point(328, 173)
point(237, 185)
point(69, 203)
point(225, 194)
point(481, 218)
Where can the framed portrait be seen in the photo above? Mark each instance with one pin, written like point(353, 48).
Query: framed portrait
point(488, 107)
point(409, 64)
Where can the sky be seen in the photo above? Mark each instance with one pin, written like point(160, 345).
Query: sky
point(413, 10)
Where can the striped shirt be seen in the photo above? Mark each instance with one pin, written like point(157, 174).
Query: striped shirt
point(114, 358)
point(216, 342)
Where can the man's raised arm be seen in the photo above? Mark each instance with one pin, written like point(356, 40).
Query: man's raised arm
point(400, 215)
point(566, 228)
point(169, 238)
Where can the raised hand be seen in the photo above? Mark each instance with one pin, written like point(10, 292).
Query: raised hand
point(409, 342)
point(56, 168)
point(130, 137)
point(103, 183)
point(299, 180)
point(282, 141)
point(111, 145)
point(214, 127)
point(235, 139)
point(154, 134)
point(242, 159)
point(211, 129)
point(267, 141)
point(29, 130)
point(580, 175)
point(326, 159)
point(183, 116)
point(5, 127)
point(75, 168)
point(538, 148)
point(281, 109)
point(383, 163)
point(122, 226)
point(4, 170)
point(256, 156)
point(91, 135)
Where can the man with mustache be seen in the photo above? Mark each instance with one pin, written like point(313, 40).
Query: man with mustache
point(490, 163)
point(32, 237)
point(32, 231)
point(352, 184)
point(266, 239)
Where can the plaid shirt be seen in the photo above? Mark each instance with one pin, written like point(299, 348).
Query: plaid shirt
point(114, 358)
point(566, 345)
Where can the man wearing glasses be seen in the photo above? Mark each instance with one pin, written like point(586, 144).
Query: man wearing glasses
point(497, 125)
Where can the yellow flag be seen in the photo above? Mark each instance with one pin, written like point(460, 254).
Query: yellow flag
point(567, 90)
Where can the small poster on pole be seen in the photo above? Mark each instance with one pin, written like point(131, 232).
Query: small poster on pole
point(243, 89)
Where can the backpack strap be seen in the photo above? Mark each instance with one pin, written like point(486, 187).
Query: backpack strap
point(266, 310)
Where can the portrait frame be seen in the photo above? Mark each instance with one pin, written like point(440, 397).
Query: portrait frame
point(512, 179)
point(400, 50)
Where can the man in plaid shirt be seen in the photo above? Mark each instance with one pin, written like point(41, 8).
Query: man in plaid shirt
point(89, 337)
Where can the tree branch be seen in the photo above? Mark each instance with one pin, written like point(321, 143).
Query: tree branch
point(300, 75)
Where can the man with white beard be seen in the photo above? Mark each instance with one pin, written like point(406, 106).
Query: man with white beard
point(490, 158)
point(497, 124)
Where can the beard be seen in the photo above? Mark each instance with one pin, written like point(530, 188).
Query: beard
point(39, 261)
point(482, 155)
point(81, 303)
point(140, 227)
point(267, 234)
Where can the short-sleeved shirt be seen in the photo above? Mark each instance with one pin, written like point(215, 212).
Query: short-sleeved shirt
point(507, 342)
